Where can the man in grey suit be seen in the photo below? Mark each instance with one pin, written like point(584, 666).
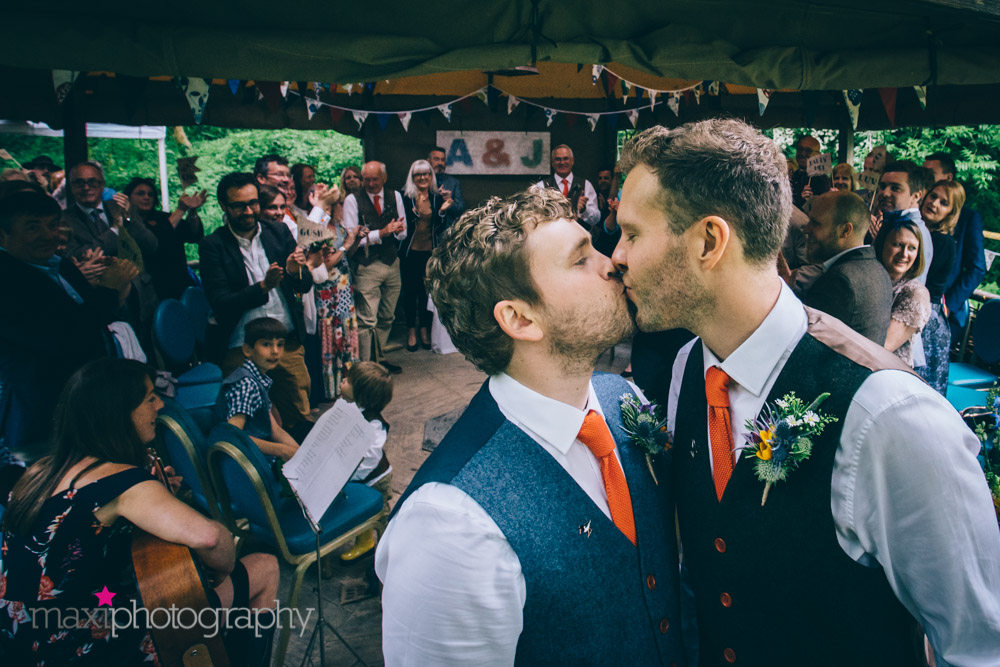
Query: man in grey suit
point(854, 286)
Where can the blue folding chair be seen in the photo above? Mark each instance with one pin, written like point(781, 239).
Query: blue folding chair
point(174, 335)
point(986, 348)
point(184, 447)
point(965, 397)
point(244, 480)
point(196, 302)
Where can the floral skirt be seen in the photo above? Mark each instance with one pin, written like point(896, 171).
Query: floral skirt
point(937, 344)
point(337, 327)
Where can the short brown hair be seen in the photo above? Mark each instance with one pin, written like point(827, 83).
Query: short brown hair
point(372, 385)
point(482, 262)
point(719, 167)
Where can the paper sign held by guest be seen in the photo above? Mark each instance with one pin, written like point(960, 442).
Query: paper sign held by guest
point(327, 458)
point(868, 179)
point(820, 164)
point(311, 232)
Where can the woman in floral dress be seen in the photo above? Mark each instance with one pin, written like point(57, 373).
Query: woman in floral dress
point(337, 324)
point(67, 529)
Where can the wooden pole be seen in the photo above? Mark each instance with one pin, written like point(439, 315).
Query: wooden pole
point(845, 145)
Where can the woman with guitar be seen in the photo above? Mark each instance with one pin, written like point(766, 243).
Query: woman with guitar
point(68, 525)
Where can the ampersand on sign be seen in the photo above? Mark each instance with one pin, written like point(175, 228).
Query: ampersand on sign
point(495, 155)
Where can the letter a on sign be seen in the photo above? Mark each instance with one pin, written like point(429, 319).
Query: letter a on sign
point(536, 154)
point(459, 153)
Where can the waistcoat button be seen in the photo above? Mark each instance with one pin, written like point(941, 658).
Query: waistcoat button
point(730, 655)
point(720, 545)
point(664, 626)
point(726, 599)
point(651, 582)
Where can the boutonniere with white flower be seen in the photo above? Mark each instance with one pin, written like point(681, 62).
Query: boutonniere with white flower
point(781, 437)
point(644, 423)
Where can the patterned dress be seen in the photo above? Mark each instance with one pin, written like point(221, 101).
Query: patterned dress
point(49, 612)
point(911, 305)
point(337, 321)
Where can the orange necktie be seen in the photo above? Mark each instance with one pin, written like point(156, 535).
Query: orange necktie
point(719, 427)
point(378, 204)
point(565, 187)
point(595, 435)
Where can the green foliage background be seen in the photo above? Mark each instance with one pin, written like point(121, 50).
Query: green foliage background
point(976, 150)
point(219, 151)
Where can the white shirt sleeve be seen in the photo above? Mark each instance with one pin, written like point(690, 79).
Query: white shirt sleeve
point(350, 217)
point(318, 215)
point(401, 212)
point(374, 454)
point(591, 213)
point(453, 588)
point(940, 550)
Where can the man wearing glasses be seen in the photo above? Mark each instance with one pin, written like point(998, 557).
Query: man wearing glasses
point(251, 270)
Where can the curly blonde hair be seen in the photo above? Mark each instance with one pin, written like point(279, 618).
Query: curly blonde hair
point(481, 262)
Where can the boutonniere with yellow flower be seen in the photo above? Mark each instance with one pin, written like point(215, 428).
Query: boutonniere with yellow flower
point(781, 437)
point(647, 427)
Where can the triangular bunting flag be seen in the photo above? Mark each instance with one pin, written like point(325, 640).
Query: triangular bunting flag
point(652, 98)
point(336, 114)
point(625, 88)
point(633, 116)
point(62, 83)
point(674, 102)
point(921, 96)
point(196, 91)
point(852, 98)
point(370, 87)
point(481, 94)
point(271, 91)
point(284, 88)
point(404, 120)
point(595, 73)
point(328, 86)
point(888, 96)
point(234, 85)
point(592, 118)
point(609, 82)
point(359, 117)
point(713, 88)
point(312, 106)
point(512, 103)
point(763, 97)
point(445, 110)
point(349, 87)
point(697, 95)
point(317, 88)
point(550, 115)
point(383, 120)
point(639, 91)
point(570, 120)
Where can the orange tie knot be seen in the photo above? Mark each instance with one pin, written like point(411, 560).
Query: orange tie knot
point(717, 387)
point(595, 434)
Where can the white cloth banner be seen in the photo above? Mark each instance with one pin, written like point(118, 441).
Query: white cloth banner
point(495, 152)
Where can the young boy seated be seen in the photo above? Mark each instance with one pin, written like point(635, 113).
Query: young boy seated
point(370, 386)
point(244, 401)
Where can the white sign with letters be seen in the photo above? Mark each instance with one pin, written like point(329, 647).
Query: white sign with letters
point(820, 164)
point(495, 153)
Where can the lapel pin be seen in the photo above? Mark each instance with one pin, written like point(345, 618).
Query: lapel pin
point(586, 529)
point(694, 448)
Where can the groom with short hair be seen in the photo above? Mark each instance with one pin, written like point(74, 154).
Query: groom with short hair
point(535, 532)
point(887, 525)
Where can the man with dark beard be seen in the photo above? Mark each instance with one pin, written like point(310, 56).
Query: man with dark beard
point(803, 548)
point(535, 532)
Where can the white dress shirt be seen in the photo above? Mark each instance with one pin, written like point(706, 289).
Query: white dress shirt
point(256, 264)
point(907, 494)
point(454, 592)
point(591, 213)
point(350, 220)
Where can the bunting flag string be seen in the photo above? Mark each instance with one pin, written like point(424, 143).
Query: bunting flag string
point(852, 98)
point(196, 92)
point(62, 83)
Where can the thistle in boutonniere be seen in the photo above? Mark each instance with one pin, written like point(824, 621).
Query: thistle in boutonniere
point(781, 437)
point(988, 432)
point(647, 427)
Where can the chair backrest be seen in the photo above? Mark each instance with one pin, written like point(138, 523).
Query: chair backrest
point(173, 333)
point(986, 332)
point(243, 478)
point(185, 449)
point(196, 302)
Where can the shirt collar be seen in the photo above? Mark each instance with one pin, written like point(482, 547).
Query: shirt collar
point(255, 373)
point(555, 422)
point(568, 177)
point(243, 243)
point(751, 363)
point(87, 210)
point(380, 193)
point(830, 262)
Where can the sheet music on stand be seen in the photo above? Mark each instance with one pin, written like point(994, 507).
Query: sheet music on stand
point(327, 458)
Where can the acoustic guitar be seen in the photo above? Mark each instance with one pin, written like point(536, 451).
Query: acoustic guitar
point(167, 574)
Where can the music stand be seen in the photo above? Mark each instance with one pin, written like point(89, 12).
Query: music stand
point(321, 622)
